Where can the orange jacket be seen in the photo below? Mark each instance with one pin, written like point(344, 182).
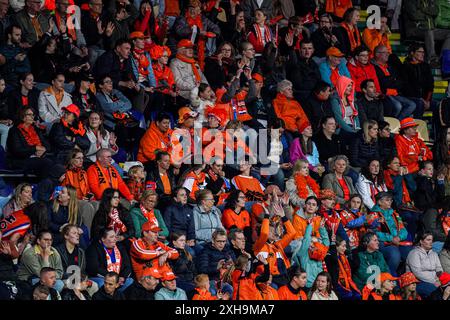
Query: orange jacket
point(144, 255)
point(285, 293)
point(236, 108)
point(290, 111)
point(153, 140)
point(79, 180)
point(194, 182)
point(373, 38)
point(244, 286)
point(267, 292)
point(366, 293)
point(101, 178)
point(338, 7)
point(300, 224)
point(203, 294)
point(274, 251)
point(245, 184)
point(409, 151)
point(231, 218)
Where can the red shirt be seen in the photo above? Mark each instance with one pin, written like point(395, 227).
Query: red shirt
point(345, 188)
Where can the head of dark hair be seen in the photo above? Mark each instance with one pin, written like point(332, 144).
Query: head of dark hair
point(10, 28)
point(233, 199)
point(202, 87)
point(365, 83)
point(162, 116)
point(313, 198)
point(359, 50)
point(233, 232)
point(306, 41)
point(366, 238)
point(160, 154)
point(121, 42)
point(414, 47)
point(349, 13)
point(277, 123)
point(41, 233)
point(38, 214)
point(320, 86)
point(295, 271)
point(112, 274)
point(45, 270)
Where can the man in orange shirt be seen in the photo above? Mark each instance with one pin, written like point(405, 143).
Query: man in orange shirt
point(148, 252)
point(411, 149)
point(102, 175)
point(287, 108)
point(157, 137)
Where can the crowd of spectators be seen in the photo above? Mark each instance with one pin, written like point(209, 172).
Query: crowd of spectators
point(120, 116)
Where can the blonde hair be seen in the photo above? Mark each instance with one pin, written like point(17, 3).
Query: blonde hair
point(73, 205)
point(134, 169)
point(200, 280)
point(367, 125)
point(147, 193)
point(299, 163)
point(18, 190)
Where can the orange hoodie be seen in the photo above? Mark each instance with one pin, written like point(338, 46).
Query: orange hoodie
point(153, 140)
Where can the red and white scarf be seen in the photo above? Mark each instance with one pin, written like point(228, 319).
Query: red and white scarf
point(116, 223)
point(267, 35)
point(150, 215)
point(113, 260)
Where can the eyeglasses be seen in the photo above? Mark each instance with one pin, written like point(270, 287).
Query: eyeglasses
point(107, 81)
point(219, 165)
point(116, 197)
point(220, 241)
point(227, 50)
point(241, 197)
point(251, 49)
point(29, 114)
point(420, 51)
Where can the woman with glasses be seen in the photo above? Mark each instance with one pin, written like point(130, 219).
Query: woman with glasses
point(325, 37)
point(216, 181)
point(207, 217)
point(27, 146)
point(218, 66)
point(111, 214)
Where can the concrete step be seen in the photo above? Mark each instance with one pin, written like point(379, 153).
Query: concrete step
point(441, 84)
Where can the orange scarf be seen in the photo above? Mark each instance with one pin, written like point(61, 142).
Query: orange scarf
point(78, 179)
point(80, 131)
point(30, 135)
point(70, 30)
point(303, 183)
point(354, 37)
point(345, 274)
point(446, 224)
point(192, 62)
point(113, 260)
point(110, 178)
point(197, 21)
point(142, 61)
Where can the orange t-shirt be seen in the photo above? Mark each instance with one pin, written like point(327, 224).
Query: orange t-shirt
point(231, 218)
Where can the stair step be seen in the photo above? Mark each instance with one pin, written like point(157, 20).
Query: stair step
point(439, 90)
point(441, 84)
point(394, 36)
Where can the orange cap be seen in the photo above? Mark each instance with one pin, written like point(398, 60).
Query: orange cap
point(168, 276)
point(149, 226)
point(186, 113)
point(387, 276)
point(137, 35)
point(153, 272)
point(185, 43)
point(335, 52)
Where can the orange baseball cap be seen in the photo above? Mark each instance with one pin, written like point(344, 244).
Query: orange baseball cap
point(148, 226)
point(169, 276)
point(185, 43)
point(73, 109)
point(387, 276)
point(153, 272)
point(335, 52)
point(137, 35)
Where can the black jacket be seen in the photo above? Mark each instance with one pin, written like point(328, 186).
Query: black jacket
point(64, 258)
point(90, 30)
point(18, 149)
point(86, 106)
point(180, 218)
point(370, 110)
point(392, 81)
point(183, 267)
point(362, 152)
point(68, 294)
point(304, 74)
point(321, 43)
point(62, 146)
point(433, 223)
point(316, 110)
point(124, 216)
point(209, 258)
point(103, 296)
point(386, 148)
point(137, 292)
point(96, 260)
point(327, 148)
point(153, 175)
point(109, 64)
point(418, 80)
point(428, 193)
point(15, 103)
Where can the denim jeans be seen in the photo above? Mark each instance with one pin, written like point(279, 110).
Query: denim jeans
point(401, 106)
point(425, 289)
point(4, 129)
point(394, 255)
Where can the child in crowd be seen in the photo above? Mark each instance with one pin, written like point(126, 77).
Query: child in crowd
point(136, 181)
